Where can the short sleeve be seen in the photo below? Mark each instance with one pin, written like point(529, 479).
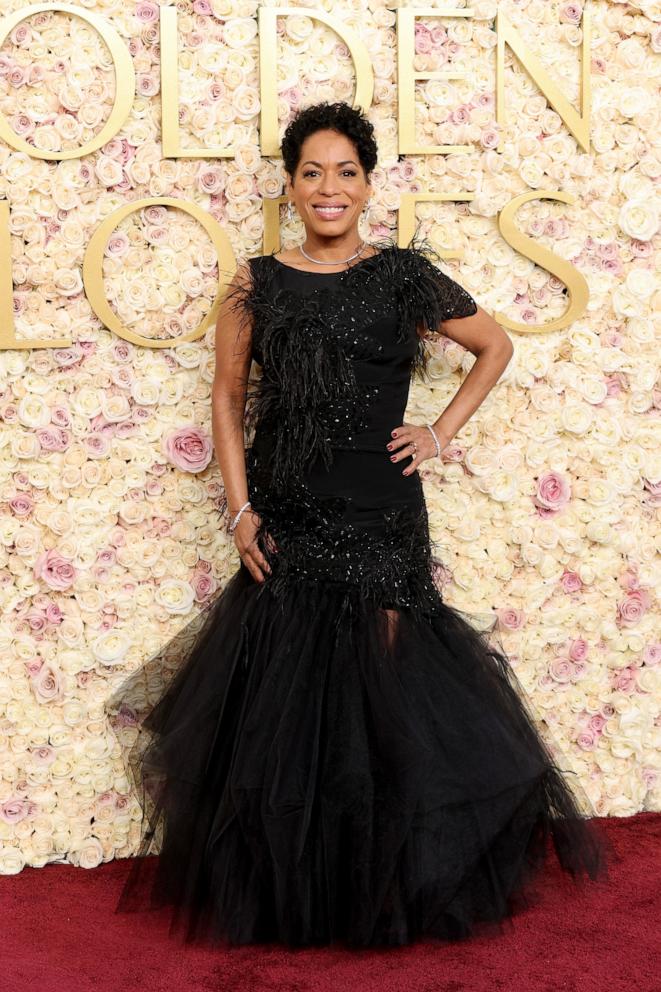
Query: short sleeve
point(439, 297)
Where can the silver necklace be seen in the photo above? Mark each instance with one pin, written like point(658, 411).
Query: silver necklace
point(339, 261)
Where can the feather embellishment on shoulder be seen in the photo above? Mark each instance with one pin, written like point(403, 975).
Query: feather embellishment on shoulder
point(306, 344)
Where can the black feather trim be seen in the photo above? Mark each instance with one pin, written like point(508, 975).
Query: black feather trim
point(307, 396)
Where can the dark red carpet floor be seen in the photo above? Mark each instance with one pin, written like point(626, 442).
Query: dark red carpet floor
point(59, 934)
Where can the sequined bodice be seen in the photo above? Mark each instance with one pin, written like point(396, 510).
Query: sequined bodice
point(336, 353)
point(361, 315)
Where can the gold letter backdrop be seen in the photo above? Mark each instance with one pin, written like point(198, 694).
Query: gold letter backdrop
point(138, 162)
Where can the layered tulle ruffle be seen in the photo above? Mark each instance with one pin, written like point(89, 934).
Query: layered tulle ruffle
point(311, 774)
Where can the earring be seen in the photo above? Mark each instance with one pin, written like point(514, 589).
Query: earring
point(290, 212)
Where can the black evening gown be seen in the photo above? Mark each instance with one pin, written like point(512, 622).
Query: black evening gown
point(338, 755)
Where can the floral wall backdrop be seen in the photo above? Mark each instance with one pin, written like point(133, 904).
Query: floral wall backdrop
point(546, 505)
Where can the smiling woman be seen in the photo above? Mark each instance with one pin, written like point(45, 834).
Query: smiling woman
point(330, 188)
point(341, 756)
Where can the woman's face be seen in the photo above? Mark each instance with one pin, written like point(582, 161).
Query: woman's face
point(329, 175)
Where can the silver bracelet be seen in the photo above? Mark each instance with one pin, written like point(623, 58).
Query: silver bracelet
point(436, 441)
point(232, 526)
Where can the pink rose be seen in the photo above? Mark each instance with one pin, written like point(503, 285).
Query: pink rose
point(33, 666)
point(633, 607)
point(652, 654)
point(571, 582)
point(188, 448)
point(453, 453)
point(147, 84)
point(571, 13)
point(47, 685)
point(553, 491)
point(117, 538)
point(118, 244)
point(55, 570)
point(53, 613)
point(66, 358)
point(22, 124)
point(21, 34)
point(460, 115)
point(17, 76)
point(155, 214)
point(21, 505)
point(629, 578)
point(423, 45)
point(614, 384)
point(489, 137)
point(585, 740)
point(43, 755)
point(510, 619)
point(36, 620)
point(113, 148)
point(96, 445)
point(624, 680)
point(640, 249)
point(53, 438)
point(215, 91)
point(125, 717)
point(156, 234)
point(561, 670)
point(597, 723)
point(578, 649)
point(204, 586)
point(146, 11)
point(15, 810)
point(528, 314)
point(210, 179)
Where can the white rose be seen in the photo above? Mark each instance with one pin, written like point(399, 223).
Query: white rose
point(68, 282)
point(175, 595)
point(116, 408)
point(12, 861)
point(108, 171)
point(33, 412)
point(576, 418)
point(641, 282)
point(86, 401)
point(639, 219)
point(87, 853)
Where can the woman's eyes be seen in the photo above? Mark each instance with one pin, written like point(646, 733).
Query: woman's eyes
point(345, 172)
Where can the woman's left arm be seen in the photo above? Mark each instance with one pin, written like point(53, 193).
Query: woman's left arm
point(484, 337)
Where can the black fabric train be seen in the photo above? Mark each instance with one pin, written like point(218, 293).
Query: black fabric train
point(338, 754)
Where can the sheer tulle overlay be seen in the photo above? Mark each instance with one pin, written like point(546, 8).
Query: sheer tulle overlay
point(368, 781)
point(337, 754)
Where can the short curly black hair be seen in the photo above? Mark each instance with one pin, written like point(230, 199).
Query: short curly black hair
point(340, 117)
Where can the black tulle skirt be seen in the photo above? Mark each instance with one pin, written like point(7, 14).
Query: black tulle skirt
point(312, 772)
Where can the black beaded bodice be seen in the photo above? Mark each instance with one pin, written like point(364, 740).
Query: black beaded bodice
point(337, 352)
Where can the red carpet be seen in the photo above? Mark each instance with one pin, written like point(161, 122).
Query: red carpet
point(59, 934)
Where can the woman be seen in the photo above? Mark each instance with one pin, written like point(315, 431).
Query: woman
point(340, 755)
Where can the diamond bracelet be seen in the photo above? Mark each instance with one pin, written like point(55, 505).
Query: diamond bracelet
point(436, 441)
point(232, 526)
